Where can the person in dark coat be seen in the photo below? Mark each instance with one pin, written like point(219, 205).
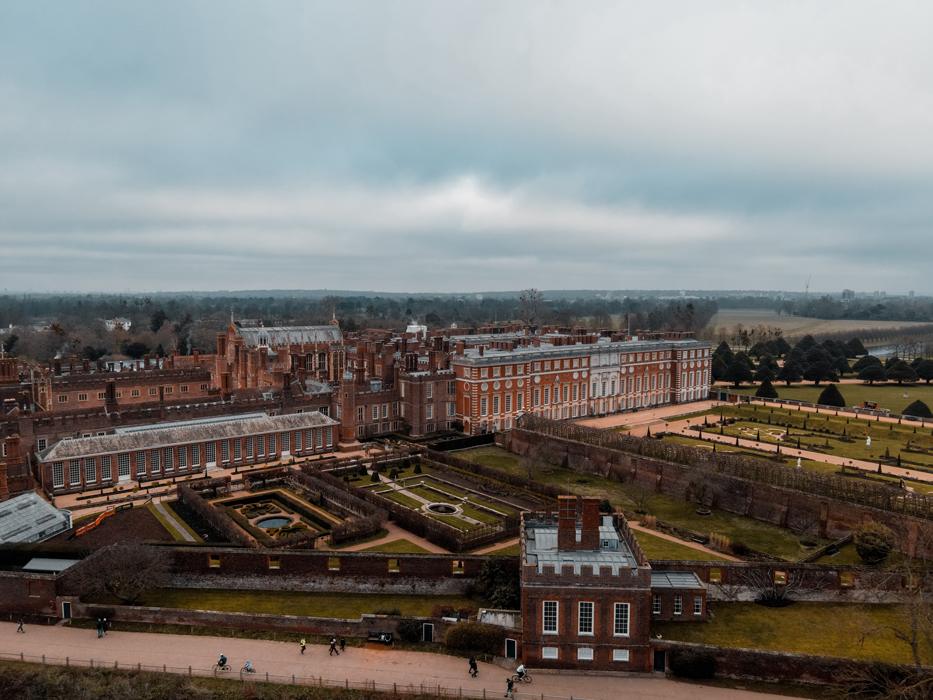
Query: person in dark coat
point(473, 667)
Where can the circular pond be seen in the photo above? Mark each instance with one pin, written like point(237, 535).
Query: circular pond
point(269, 523)
point(443, 509)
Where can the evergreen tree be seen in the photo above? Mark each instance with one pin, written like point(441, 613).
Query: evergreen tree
point(924, 370)
point(818, 372)
point(872, 374)
point(790, 373)
point(725, 353)
point(766, 390)
point(780, 346)
point(831, 397)
point(866, 361)
point(918, 409)
point(737, 373)
point(806, 343)
point(719, 368)
point(763, 374)
point(901, 372)
point(891, 361)
point(857, 347)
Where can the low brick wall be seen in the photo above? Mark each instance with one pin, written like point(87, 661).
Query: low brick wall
point(361, 627)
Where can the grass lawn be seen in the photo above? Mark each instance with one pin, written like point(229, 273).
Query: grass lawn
point(171, 530)
point(400, 546)
point(512, 550)
point(656, 547)
point(406, 501)
point(846, 555)
point(480, 515)
point(824, 629)
point(757, 535)
point(337, 605)
point(889, 396)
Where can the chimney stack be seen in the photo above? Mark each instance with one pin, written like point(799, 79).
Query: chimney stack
point(589, 536)
point(567, 523)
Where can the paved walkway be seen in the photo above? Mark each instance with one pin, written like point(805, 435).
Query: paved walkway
point(692, 545)
point(173, 522)
point(381, 665)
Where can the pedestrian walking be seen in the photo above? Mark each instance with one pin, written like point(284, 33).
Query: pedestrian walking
point(302, 645)
point(473, 667)
point(20, 628)
point(343, 643)
point(509, 691)
point(106, 626)
point(100, 628)
point(333, 647)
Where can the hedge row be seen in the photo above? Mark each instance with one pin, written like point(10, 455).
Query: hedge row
point(368, 518)
point(521, 482)
point(215, 518)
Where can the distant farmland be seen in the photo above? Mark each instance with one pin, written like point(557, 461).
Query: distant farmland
point(798, 326)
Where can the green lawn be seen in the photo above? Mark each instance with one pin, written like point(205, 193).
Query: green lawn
point(656, 547)
point(846, 556)
point(406, 501)
point(338, 605)
point(164, 522)
point(763, 537)
point(401, 546)
point(791, 459)
point(823, 629)
point(889, 396)
point(511, 550)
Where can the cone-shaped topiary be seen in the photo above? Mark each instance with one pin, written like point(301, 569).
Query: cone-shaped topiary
point(831, 397)
point(766, 390)
point(918, 409)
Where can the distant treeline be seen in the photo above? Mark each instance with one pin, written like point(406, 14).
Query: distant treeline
point(48, 324)
point(860, 309)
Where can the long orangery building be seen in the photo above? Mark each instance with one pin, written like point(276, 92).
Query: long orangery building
point(184, 414)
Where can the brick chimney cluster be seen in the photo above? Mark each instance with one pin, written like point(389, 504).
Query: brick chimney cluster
point(567, 524)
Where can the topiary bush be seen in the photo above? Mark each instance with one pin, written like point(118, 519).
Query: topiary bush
point(487, 639)
point(873, 542)
point(918, 409)
point(693, 663)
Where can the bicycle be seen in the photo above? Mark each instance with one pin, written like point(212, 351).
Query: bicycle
point(218, 667)
point(526, 678)
point(247, 670)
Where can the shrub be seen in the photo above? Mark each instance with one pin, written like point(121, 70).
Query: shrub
point(418, 468)
point(766, 390)
point(831, 397)
point(393, 474)
point(918, 409)
point(442, 610)
point(693, 663)
point(873, 542)
point(472, 636)
point(605, 506)
point(739, 549)
point(387, 611)
point(409, 630)
point(375, 477)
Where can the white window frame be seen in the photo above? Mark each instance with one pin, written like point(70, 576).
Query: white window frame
point(656, 605)
point(698, 605)
point(547, 616)
point(588, 617)
point(550, 653)
point(74, 472)
point(620, 620)
point(620, 655)
point(678, 604)
point(106, 473)
point(584, 654)
point(58, 475)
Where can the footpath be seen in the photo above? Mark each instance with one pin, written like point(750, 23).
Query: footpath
point(383, 665)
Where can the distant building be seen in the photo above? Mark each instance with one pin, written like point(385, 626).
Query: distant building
point(848, 294)
point(113, 323)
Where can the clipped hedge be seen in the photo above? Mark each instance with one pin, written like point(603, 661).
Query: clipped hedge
point(473, 636)
point(693, 663)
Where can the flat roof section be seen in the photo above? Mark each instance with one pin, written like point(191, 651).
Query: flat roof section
point(30, 518)
point(44, 565)
point(541, 549)
point(675, 579)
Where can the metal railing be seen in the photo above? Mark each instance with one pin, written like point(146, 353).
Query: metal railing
point(347, 684)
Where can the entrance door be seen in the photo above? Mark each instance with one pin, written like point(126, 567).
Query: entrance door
point(66, 611)
point(427, 632)
point(660, 663)
point(511, 649)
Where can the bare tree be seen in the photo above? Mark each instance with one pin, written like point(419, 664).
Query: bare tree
point(124, 571)
point(777, 587)
point(530, 302)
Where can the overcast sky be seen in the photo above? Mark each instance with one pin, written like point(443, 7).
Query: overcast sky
point(444, 146)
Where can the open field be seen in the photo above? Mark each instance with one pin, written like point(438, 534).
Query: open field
point(339, 605)
point(760, 536)
point(889, 396)
point(798, 326)
point(822, 629)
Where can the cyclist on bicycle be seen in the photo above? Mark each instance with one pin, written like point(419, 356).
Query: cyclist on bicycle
point(249, 666)
point(223, 661)
point(521, 672)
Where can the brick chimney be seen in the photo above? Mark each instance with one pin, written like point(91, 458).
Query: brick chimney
point(589, 536)
point(567, 523)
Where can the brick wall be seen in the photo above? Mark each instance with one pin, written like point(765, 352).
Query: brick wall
point(27, 593)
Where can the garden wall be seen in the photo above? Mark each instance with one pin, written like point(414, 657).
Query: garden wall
point(704, 481)
point(362, 627)
point(358, 572)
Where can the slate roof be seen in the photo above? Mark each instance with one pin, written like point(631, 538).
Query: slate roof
point(292, 335)
point(182, 433)
point(541, 549)
point(675, 579)
point(30, 518)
